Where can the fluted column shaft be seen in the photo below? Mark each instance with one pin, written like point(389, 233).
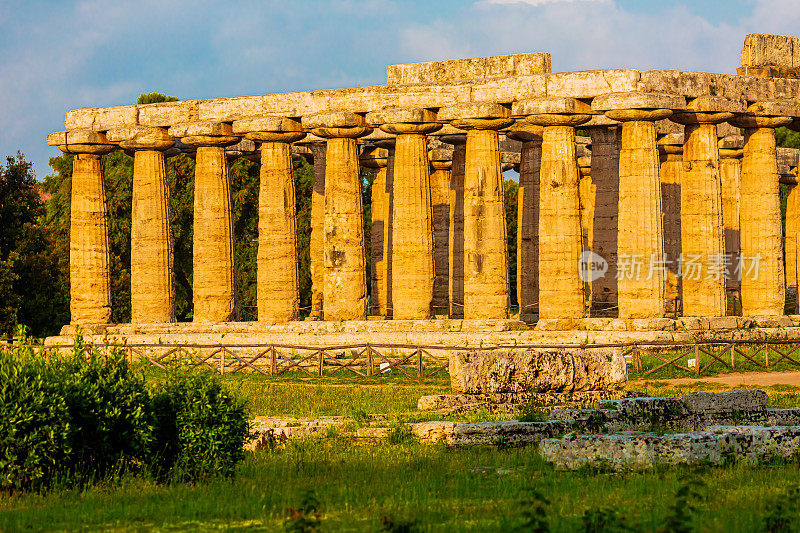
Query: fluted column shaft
point(378, 235)
point(762, 286)
point(485, 246)
point(792, 240)
point(213, 254)
point(560, 286)
point(440, 202)
point(641, 235)
point(702, 236)
point(605, 178)
point(730, 177)
point(670, 173)
point(456, 234)
point(345, 284)
point(316, 244)
point(152, 282)
point(90, 280)
point(528, 227)
point(278, 285)
point(412, 285)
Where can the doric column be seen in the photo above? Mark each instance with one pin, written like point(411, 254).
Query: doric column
point(762, 275)
point(640, 241)
point(214, 269)
point(702, 229)
point(377, 158)
point(388, 231)
point(528, 216)
point(485, 247)
point(152, 276)
point(441, 163)
point(560, 241)
point(730, 163)
point(412, 225)
point(345, 280)
point(671, 157)
point(316, 244)
point(277, 289)
point(89, 275)
point(793, 239)
point(606, 141)
point(455, 243)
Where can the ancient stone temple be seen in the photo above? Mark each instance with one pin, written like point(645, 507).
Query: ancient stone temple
point(669, 180)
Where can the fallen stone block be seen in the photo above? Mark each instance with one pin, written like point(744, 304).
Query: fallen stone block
point(706, 403)
point(537, 370)
point(504, 433)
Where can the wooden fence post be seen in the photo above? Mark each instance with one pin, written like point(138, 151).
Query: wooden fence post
point(766, 354)
point(419, 362)
point(733, 358)
point(320, 362)
point(370, 362)
point(697, 359)
point(274, 364)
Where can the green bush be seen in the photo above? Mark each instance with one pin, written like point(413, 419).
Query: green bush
point(34, 422)
point(200, 428)
point(88, 416)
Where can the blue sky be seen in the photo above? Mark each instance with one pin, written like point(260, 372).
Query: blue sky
point(57, 56)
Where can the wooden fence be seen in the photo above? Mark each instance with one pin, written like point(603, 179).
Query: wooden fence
point(644, 359)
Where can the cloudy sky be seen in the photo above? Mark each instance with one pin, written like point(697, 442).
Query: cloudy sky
point(61, 55)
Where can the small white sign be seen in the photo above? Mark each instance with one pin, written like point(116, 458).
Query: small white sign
point(385, 368)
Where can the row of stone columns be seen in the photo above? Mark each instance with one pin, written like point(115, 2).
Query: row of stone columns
point(412, 201)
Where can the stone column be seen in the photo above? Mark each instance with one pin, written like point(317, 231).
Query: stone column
point(345, 280)
point(214, 269)
point(316, 253)
point(792, 239)
point(277, 290)
point(730, 156)
point(702, 229)
point(89, 277)
point(528, 217)
point(152, 277)
point(377, 158)
point(606, 141)
point(455, 243)
point(561, 292)
point(671, 158)
point(485, 246)
point(412, 226)
point(388, 228)
point(762, 275)
point(641, 235)
point(441, 163)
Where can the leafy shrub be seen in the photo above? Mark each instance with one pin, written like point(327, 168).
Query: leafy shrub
point(200, 428)
point(34, 422)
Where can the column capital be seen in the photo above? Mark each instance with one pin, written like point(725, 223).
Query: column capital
point(332, 124)
point(400, 120)
point(207, 133)
point(671, 146)
point(141, 138)
point(244, 148)
point(441, 158)
point(269, 129)
point(708, 110)
point(638, 106)
point(553, 111)
point(81, 142)
point(458, 139)
point(768, 114)
point(730, 147)
point(525, 132)
point(374, 157)
point(476, 115)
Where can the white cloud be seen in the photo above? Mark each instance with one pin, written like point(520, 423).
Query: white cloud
point(535, 2)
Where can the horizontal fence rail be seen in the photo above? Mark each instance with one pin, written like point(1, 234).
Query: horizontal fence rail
point(364, 360)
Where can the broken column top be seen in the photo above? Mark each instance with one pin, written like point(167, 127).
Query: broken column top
point(774, 56)
point(468, 69)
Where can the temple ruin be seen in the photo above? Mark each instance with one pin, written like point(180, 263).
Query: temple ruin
point(669, 178)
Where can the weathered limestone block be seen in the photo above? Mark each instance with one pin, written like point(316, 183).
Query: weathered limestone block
point(89, 275)
point(467, 69)
point(412, 226)
point(345, 285)
point(441, 163)
point(709, 403)
point(377, 158)
point(456, 235)
point(539, 370)
point(730, 155)
point(762, 274)
point(606, 145)
point(485, 247)
point(277, 275)
point(528, 216)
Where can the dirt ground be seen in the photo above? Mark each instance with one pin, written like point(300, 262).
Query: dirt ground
point(750, 378)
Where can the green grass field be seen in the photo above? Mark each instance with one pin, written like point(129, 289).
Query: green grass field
point(431, 488)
